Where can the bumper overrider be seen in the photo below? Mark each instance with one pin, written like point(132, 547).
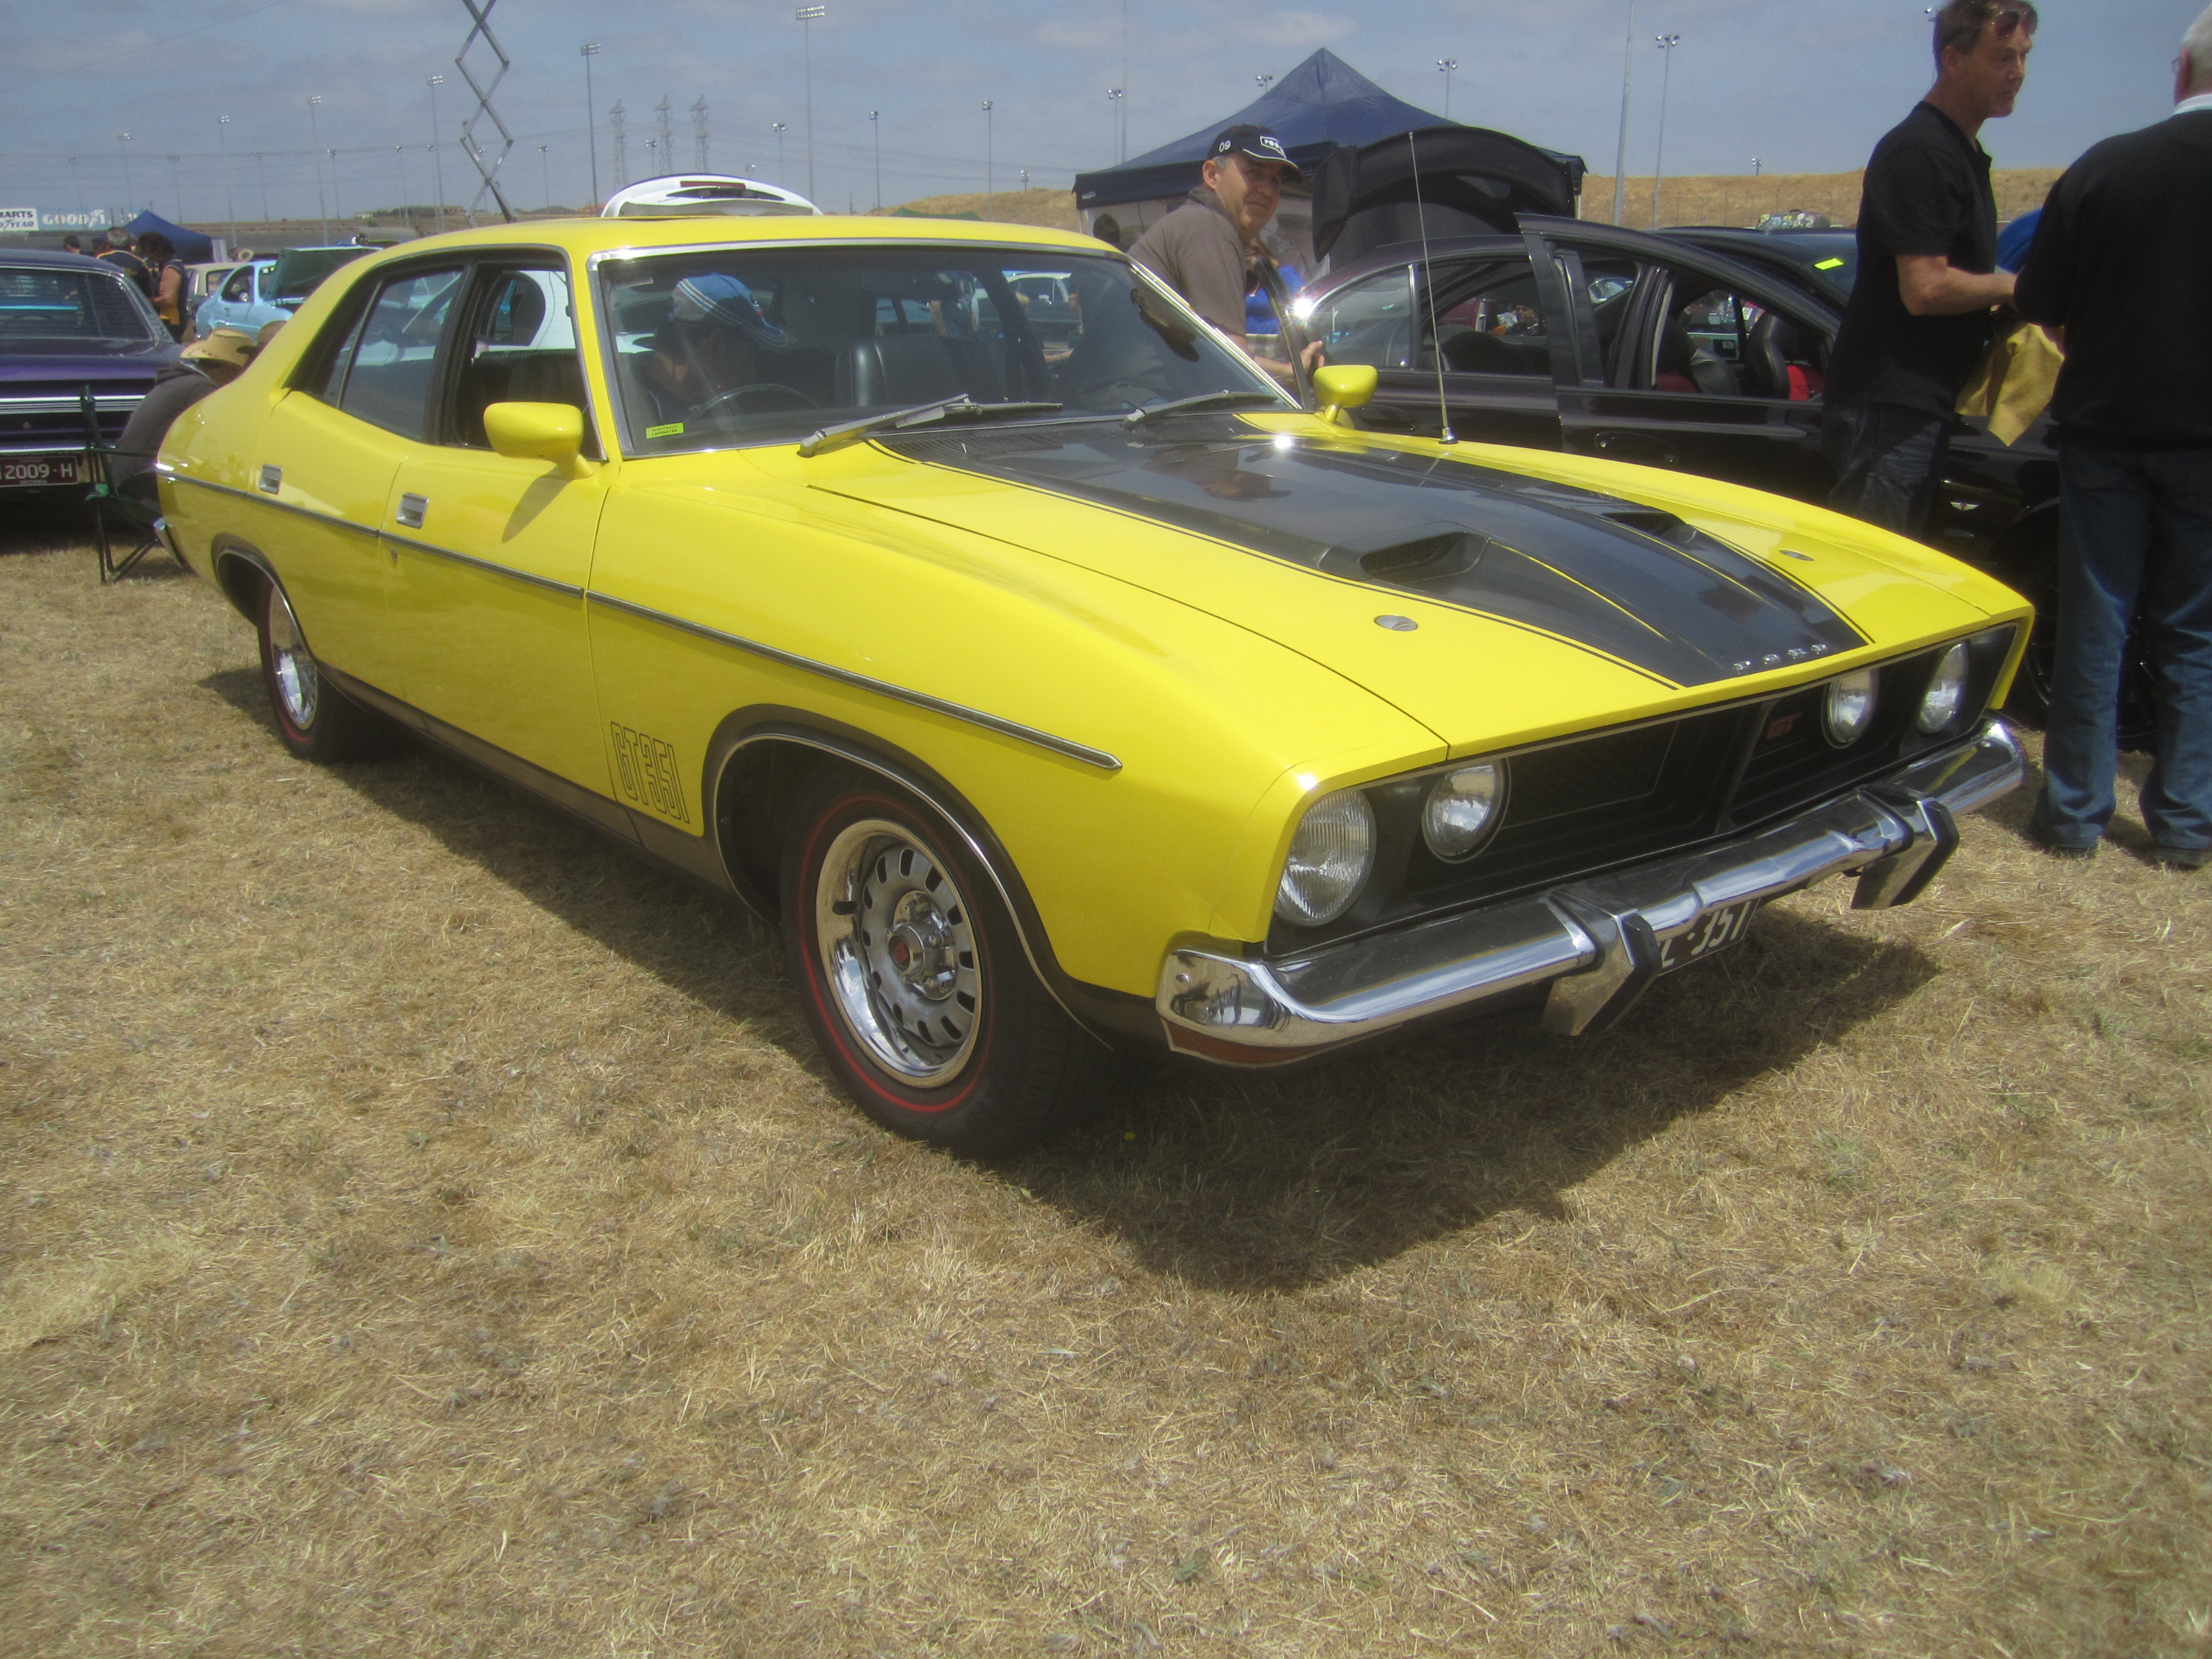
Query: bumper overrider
point(1600, 943)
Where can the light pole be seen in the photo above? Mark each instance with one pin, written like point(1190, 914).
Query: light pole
point(877, 128)
point(545, 165)
point(1444, 67)
point(177, 185)
point(1121, 109)
point(1265, 81)
point(782, 127)
point(808, 16)
point(987, 158)
point(261, 166)
point(337, 209)
point(399, 157)
point(77, 179)
point(1621, 150)
point(322, 202)
point(129, 211)
point(222, 147)
point(588, 50)
point(1025, 180)
point(437, 159)
point(1113, 105)
point(1666, 43)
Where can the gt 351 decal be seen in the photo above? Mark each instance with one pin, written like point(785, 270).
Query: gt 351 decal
point(647, 767)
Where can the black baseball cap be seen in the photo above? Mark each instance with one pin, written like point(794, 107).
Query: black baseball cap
point(1247, 139)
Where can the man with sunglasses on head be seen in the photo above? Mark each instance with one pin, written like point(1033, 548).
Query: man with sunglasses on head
point(2119, 263)
point(1918, 320)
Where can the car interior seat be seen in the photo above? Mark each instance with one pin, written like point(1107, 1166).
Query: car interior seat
point(1779, 346)
point(879, 371)
point(1683, 366)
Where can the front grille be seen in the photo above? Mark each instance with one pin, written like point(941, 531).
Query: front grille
point(1597, 803)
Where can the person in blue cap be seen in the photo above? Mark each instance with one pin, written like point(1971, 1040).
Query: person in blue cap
point(707, 358)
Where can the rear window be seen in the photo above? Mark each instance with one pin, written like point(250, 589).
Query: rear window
point(44, 309)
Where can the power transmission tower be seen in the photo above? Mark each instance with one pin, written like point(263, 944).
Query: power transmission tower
point(699, 132)
point(622, 145)
point(667, 143)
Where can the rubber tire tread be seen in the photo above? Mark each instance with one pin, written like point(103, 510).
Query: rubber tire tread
point(1042, 1074)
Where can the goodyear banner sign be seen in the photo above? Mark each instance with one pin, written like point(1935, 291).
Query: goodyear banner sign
point(24, 219)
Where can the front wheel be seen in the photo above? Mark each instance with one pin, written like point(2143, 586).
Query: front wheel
point(915, 983)
point(316, 720)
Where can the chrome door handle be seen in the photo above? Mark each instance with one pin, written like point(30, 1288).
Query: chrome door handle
point(411, 509)
point(271, 478)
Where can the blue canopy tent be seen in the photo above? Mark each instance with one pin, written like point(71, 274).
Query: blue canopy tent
point(192, 248)
point(1320, 107)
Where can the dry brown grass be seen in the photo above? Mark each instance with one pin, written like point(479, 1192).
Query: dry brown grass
point(1054, 208)
point(427, 1231)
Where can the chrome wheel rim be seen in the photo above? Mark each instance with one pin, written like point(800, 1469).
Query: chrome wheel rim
point(896, 944)
point(299, 687)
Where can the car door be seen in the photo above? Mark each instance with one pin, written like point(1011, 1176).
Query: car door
point(221, 307)
point(328, 454)
point(490, 553)
point(1497, 387)
point(1710, 370)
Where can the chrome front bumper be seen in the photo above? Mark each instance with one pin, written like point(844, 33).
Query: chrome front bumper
point(1598, 942)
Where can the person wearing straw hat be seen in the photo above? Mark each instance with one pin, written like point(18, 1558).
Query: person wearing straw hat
point(201, 368)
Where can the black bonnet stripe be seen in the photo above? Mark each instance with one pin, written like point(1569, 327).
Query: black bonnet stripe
point(1632, 581)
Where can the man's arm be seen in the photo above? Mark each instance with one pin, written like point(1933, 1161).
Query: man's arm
point(1931, 286)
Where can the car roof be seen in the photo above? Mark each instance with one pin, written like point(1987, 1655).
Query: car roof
point(41, 259)
point(583, 237)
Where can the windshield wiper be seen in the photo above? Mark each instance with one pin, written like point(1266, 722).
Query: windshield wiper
point(1204, 400)
point(963, 408)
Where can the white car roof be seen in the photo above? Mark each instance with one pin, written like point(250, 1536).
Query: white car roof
point(691, 195)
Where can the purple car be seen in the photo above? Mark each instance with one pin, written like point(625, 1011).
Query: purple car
point(67, 322)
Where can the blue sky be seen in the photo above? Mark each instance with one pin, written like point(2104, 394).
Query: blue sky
point(1805, 88)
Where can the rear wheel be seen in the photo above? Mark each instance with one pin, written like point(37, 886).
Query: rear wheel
point(316, 721)
point(915, 980)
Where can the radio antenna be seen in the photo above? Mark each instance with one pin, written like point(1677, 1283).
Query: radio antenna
point(1436, 344)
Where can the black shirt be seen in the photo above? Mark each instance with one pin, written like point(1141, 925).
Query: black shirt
point(1927, 191)
point(131, 266)
point(2122, 261)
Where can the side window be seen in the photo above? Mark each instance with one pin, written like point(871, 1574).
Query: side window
point(1490, 320)
point(1715, 342)
point(391, 377)
point(1371, 322)
point(238, 290)
point(520, 348)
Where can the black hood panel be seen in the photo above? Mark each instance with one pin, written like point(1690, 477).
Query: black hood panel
point(1632, 581)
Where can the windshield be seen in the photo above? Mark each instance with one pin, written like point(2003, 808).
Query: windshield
point(43, 310)
point(300, 272)
point(740, 345)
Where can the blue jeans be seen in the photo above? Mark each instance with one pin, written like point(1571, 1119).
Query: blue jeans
point(2138, 528)
point(1887, 461)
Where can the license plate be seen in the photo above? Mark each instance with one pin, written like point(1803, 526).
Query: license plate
point(30, 471)
point(1716, 930)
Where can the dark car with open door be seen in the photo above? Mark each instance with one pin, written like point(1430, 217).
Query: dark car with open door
point(1700, 352)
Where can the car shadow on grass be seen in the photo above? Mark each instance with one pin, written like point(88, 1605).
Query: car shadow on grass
point(1225, 1179)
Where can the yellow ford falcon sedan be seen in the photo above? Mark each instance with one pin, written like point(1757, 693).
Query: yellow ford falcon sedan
point(953, 595)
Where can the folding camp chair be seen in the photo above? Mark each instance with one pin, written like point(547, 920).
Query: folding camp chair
point(120, 521)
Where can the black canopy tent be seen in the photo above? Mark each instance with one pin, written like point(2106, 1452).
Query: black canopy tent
point(1338, 126)
point(1318, 108)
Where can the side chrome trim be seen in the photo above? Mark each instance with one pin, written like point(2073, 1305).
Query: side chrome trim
point(1595, 942)
point(567, 590)
point(329, 520)
point(1030, 734)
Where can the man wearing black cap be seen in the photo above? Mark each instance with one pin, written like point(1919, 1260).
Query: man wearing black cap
point(1203, 249)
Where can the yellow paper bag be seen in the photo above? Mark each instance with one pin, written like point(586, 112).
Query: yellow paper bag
point(2014, 384)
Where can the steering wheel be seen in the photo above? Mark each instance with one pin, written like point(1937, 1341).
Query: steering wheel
point(786, 397)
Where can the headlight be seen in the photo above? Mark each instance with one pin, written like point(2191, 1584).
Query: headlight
point(1462, 808)
point(1850, 706)
point(1331, 856)
point(1946, 689)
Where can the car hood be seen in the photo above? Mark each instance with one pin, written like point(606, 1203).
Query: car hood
point(1447, 586)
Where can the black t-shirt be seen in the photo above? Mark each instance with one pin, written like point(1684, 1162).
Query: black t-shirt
point(1927, 191)
point(131, 266)
point(2122, 262)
